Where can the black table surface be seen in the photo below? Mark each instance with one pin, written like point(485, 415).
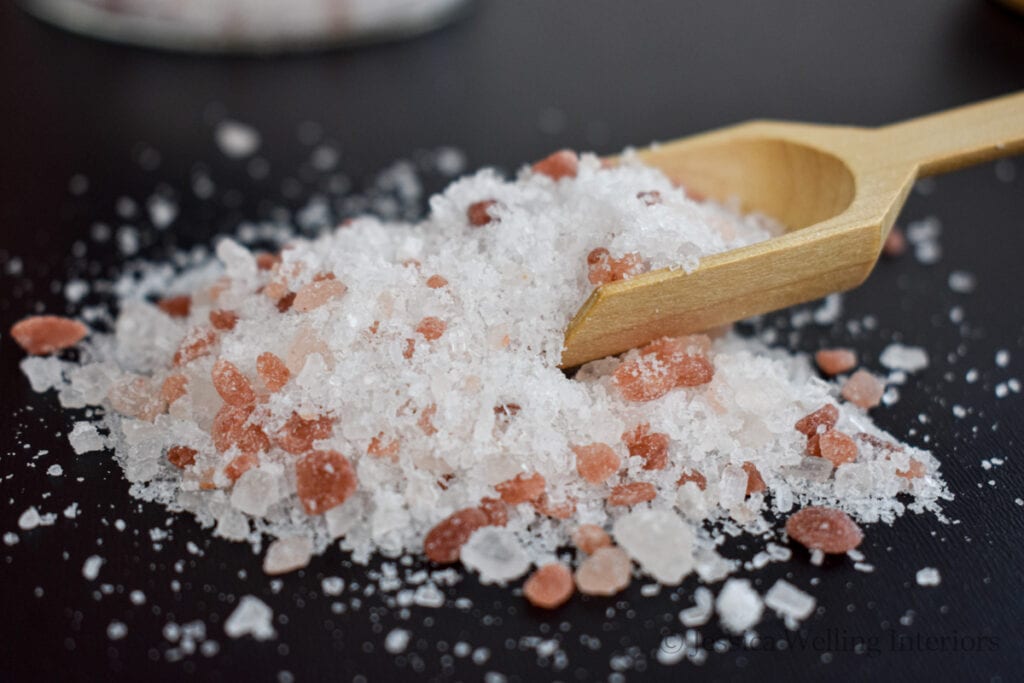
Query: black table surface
point(507, 83)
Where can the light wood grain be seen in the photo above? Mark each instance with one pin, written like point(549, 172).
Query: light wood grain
point(837, 189)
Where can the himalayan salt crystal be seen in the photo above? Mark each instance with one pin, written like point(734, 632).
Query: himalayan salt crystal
point(835, 361)
point(632, 493)
point(231, 384)
point(323, 480)
point(564, 510)
point(239, 465)
point(174, 387)
point(813, 445)
point(136, 397)
point(653, 448)
point(755, 483)
point(875, 442)
point(436, 282)
point(431, 328)
point(603, 268)
point(606, 572)
point(895, 244)
point(266, 260)
point(562, 164)
point(196, 344)
point(443, 543)
point(664, 364)
point(176, 306)
point(40, 335)
point(650, 197)
point(284, 303)
point(837, 447)
point(522, 489)
point(644, 379)
point(863, 390)
point(317, 293)
point(426, 420)
point(298, 434)
point(381, 448)
point(495, 510)
point(479, 213)
point(230, 428)
point(181, 456)
point(506, 411)
point(589, 537)
point(825, 416)
point(693, 475)
point(410, 349)
point(550, 586)
point(826, 529)
point(223, 320)
point(272, 370)
point(915, 470)
point(596, 462)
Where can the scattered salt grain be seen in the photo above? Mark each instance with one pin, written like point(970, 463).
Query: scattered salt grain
point(332, 585)
point(252, 617)
point(962, 282)
point(91, 567)
point(788, 601)
point(1002, 358)
point(396, 641)
point(928, 576)
point(85, 439)
point(701, 612)
point(116, 630)
point(29, 519)
point(906, 358)
point(738, 605)
point(496, 554)
point(287, 555)
point(659, 540)
point(55, 470)
point(236, 140)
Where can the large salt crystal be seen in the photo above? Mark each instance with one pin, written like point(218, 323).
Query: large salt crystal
point(85, 439)
point(43, 372)
point(287, 554)
point(253, 618)
point(257, 489)
point(660, 542)
point(496, 554)
point(788, 601)
point(732, 486)
point(739, 606)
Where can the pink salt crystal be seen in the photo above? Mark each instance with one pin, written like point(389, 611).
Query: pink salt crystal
point(915, 470)
point(837, 447)
point(266, 261)
point(44, 334)
point(562, 164)
point(304, 344)
point(431, 328)
point(318, 293)
point(696, 477)
point(606, 572)
point(814, 445)
point(653, 448)
point(826, 416)
point(436, 282)
point(298, 434)
point(285, 302)
point(564, 510)
point(323, 480)
point(632, 493)
point(521, 489)
point(181, 456)
point(196, 344)
point(443, 542)
point(380, 449)
point(174, 387)
point(426, 420)
point(644, 379)
point(835, 361)
point(895, 244)
point(223, 320)
point(826, 529)
point(228, 425)
point(863, 390)
point(252, 439)
point(495, 510)
point(176, 306)
point(550, 586)
point(136, 397)
point(875, 442)
point(479, 213)
point(693, 371)
point(602, 268)
point(410, 349)
point(272, 371)
point(239, 465)
point(596, 462)
point(589, 537)
point(755, 483)
point(231, 384)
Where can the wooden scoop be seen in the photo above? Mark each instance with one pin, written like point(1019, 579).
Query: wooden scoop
point(837, 190)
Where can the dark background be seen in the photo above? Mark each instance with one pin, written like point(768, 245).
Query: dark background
point(507, 84)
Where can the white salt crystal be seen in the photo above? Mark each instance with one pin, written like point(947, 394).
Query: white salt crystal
point(962, 282)
point(10, 538)
point(739, 606)
point(906, 358)
point(732, 487)
point(162, 211)
point(55, 470)
point(29, 519)
point(257, 489)
point(701, 612)
point(116, 630)
point(236, 140)
point(238, 261)
point(85, 439)
point(789, 601)
point(287, 554)
point(496, 554)
point(928, 576)
point(396, 641)
point(332, 585)
point(43, 372)
point(251, 617)
point(659, 540)
point(91, 567)
point(428, 595)
point(1002, 358)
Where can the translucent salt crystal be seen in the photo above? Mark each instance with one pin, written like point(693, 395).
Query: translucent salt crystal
point(257, 489)
point(236, 140)
point(91, 567)
point(788, 601)
point(332, 585)
point(812, 469)
point(55, 470)
point(29, 519)
point(596, 462)
point(739, 606)
point(606, 572)
point(928, 576)
point(863, 389)
point(239, 262)
point(316, 294)
point(84, 438)
point(659, 540)
point(496, 554)
point(691, 501)
point(43, 372)
point(632, 493)
point(906, 358)
point(838, 448)
point(701, 612)
point(732, 486)
point(428, 595)
point(396, 641)
point(287, 554)
point(251, 617)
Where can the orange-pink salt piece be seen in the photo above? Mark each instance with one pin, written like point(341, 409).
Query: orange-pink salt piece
point(317, 293)
point(284, 303)
point(835, 361)
point(479, 213)
point(633, 493)
point(825, 416)
point(426, 420)
point(381, 449)
point(436, 282)
point(603, 268)
point(863, 389)
point(239, 465)
point(596, 462)
point(176, 306)
point(136, 397)
point(231, 384)
point(915, 470)
point(814, 445)
point(272, 370)
point(181, 456)
point(589, 537)
point(522, 488)
point(431, 328)
point(230, 428)
point(196, 344)
point(895, 244)
point(223, 320)
point(550, 586)
point(696, 477)
point(837, 447)
point(266, 260)
point(443, 542)
point(562, 164)
point(606, 572)
point(410, 349)
point(174, 387)
point(298, 433)
point(563, 510)
point(495, 510)
point(653, 448)
point(826, 529)
point(44, 334)
point(755, 482)
point(323, 480)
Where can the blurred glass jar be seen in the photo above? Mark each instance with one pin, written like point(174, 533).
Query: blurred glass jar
point(247, 25)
